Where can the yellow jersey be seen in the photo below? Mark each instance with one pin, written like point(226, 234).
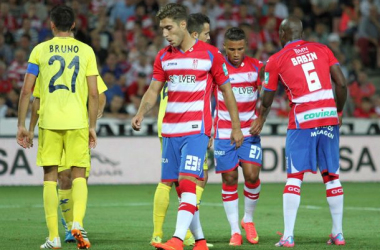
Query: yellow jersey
point(63, 63)
point(102, 87)
point(162, 110)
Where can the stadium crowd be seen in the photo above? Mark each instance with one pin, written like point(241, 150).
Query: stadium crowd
point(126, 38)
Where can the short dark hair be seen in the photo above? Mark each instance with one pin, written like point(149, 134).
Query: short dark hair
point(175, 11)
point(235, 34)
point(196, 21)
point(63, 17)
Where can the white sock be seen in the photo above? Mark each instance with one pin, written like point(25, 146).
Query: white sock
point(231, 206)
point(251, 196)
point(334, 193)
point(186, 208)
point(196, 228)
point(291, 200)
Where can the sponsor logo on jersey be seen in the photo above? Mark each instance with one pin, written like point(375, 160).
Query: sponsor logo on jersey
point(165, 160)
point(301, 51)
point(320, 114)
point(195, 63)
point(246, 91)
point(182, 79)
point(219, 152)
point(266, 78)
point(224, 66)
point(172, 64)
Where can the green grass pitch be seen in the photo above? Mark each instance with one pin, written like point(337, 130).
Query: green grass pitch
point(120, 217)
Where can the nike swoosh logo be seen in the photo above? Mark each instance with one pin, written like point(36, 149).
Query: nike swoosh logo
point(226, 197)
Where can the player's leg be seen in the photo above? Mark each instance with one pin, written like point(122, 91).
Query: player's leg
point(78, 156)
point(328, 159)
point(300, 157)
point(65, 199)
point(250, 155)
point(50, 144)
point(226, 163)
point(160, 207)
point(188, 153)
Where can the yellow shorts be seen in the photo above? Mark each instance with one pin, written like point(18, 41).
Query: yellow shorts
point(63, 166)
point(205, 163)
point(52, 143)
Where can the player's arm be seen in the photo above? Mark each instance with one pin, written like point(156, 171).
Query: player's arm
point(147, 103)
point(230, 101)
point(267, 95)
point(26, 92)
point(102, 104)
point(33, 119)
point(93, 106)
point(340, 89)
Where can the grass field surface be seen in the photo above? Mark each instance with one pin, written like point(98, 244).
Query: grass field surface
point(120, 217)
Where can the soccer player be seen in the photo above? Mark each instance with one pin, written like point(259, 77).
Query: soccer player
point(64, 170)
point(306, 68)
point(246, 85)
point(67, 72)
point(189, 67)
point(198, 26)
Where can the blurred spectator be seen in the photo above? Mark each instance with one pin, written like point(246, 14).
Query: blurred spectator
point(10, 21)
point(356, 68)
point(31, 14)
point(27, 29)
point(17, 69)
point(142, 65)
point(15, 8)
point(349, 20)
point(366, 109)
point(112, 66)
point(265, 52)
point(25, 44)
point(116, 108)
point(361, 88)
point(12, 103)
point(193, 6)
point(121, 11)
point(6, 52)
point(244, 17)
point(113, 87)
point(321, 33)
point(141, 17)
point(213, 10)
point(270, 16)
point(376, 103)
point(151, 6)
point(269, 33)
point(135, 93)
point(122, 60)
point(227, 18)
point(334, 43)
point(365, 6)
point(280, 9)
point(100, 52)
point(322, 10)
point(5, 83)
point(45, 32)
point(3, 106)
point(369, 37)
point(40, 8)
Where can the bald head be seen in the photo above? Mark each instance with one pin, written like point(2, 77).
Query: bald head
point(290, 30)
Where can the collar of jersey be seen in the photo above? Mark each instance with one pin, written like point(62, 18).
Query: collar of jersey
point(63, 37)
point(192, 47)
point(293, 43)
point(228, 61)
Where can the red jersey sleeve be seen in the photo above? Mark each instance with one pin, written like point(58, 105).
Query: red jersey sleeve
point(271, 75)
point(158, 71)
point(218, 69)
point(260, 65)
point(331, 57)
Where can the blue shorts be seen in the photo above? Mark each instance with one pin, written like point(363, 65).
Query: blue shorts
point(183, 156)
point(308, 148)
point(227, 158)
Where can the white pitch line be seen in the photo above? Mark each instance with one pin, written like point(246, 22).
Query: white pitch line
point(376, 209)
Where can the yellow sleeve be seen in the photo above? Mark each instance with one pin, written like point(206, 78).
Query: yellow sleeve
point(101, 85)
point(92, 69)
point(36, 91)
point(34, 55)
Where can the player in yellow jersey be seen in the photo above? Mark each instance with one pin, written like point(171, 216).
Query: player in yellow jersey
point(64, 171)
point(198, 26)
point(67, 72)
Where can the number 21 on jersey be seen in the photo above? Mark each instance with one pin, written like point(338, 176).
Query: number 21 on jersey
point(74, 63)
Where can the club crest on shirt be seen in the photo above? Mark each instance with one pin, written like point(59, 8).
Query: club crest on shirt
point(195, 63)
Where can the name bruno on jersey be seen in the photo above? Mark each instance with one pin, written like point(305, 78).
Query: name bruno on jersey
point(63, 48)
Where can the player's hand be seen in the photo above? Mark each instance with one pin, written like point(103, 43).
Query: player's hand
point(31, 136)
point(92, 138)
point(136, 122)
point(256, 126)
point(210, 141)
point(237, 137)
point(22, 137)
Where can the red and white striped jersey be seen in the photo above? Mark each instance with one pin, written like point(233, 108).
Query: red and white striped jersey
point(244, 82)
point(190, 76)
point(304, 69)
